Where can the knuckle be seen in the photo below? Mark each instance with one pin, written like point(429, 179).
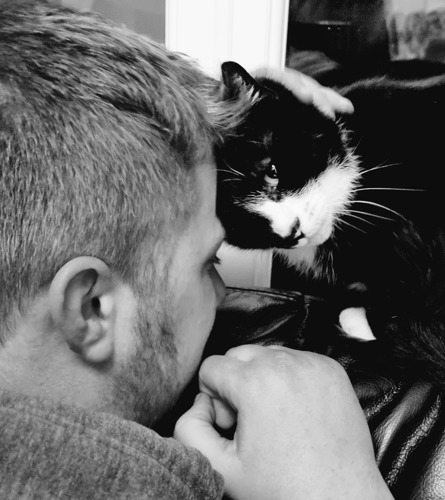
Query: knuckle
point(308, 364)
point(245, 352)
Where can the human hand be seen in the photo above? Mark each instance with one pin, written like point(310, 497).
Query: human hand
point(309, 91)
point(300, 431)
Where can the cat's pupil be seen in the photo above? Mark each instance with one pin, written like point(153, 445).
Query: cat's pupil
point(272, 172)
point(271, 177)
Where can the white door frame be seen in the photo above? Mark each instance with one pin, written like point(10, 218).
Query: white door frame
point(252, 33)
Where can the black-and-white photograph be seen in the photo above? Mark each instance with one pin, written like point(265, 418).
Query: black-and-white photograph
point(222, 249)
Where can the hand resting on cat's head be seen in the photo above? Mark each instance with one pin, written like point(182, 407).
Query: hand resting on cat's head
point(309, 91)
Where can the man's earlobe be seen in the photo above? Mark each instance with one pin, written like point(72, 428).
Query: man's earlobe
point(82, 307)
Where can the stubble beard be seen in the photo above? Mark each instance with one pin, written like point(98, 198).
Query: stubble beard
point(148, 386)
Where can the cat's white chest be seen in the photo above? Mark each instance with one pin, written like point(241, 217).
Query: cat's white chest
point(303, 259)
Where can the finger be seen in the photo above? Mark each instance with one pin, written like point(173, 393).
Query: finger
point(223, 377)
point(327, 100)
point(301, 85)
point(245, 352)
point(196, 428)
point(225, 415)
point(231, 381)
point(198, 420)
point(340, 104)
point(330, 102)
point(219, 378)
point(226, 379)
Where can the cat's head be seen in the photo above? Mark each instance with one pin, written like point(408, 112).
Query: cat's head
point(286, 176)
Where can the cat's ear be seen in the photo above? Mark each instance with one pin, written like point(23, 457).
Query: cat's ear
point(236, 81)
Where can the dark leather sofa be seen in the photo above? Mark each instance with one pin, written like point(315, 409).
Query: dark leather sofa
point(405, 411)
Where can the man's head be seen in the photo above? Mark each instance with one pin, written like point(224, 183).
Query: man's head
point(106, 187)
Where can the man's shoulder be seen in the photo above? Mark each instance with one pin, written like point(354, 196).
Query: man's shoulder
point(55, 450)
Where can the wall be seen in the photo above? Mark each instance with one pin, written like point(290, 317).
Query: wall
point(143, 16)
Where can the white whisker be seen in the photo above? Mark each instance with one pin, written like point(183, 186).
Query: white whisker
point(370, 214)
point(348, 214)
point(386, 189)
point(378, 167)
point(378, 205)
point(231, 170)
point(338, 223)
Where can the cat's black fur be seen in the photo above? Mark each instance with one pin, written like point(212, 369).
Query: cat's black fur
point(390, 234)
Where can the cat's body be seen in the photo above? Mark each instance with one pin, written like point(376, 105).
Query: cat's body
point(357, 206)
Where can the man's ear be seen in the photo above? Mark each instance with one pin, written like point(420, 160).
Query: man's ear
point(83, 306)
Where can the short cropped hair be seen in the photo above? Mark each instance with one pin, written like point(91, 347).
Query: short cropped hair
point(99, 132)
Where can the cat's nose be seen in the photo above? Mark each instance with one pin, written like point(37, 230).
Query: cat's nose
point(294, 236)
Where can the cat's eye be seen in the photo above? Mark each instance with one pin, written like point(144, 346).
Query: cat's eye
point(271, 176)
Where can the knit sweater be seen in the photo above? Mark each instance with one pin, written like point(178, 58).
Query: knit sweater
point(50, 451)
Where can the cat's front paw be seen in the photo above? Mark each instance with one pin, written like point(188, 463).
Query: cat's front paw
point(355, 324)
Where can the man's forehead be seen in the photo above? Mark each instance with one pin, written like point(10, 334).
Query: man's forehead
point(219, 233)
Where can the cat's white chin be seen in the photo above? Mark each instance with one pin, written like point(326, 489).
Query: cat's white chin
point(316, 237)
point(311, 242)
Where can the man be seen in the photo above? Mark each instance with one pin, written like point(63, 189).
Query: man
point(108, 239)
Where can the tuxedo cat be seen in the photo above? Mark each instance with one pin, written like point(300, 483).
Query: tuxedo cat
point(356, 207)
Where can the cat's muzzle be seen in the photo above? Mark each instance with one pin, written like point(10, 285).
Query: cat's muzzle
point(295, 238)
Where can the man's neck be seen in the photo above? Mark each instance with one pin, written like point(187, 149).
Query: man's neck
point(37, 364)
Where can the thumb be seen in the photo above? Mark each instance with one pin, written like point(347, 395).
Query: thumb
point(196, 428)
